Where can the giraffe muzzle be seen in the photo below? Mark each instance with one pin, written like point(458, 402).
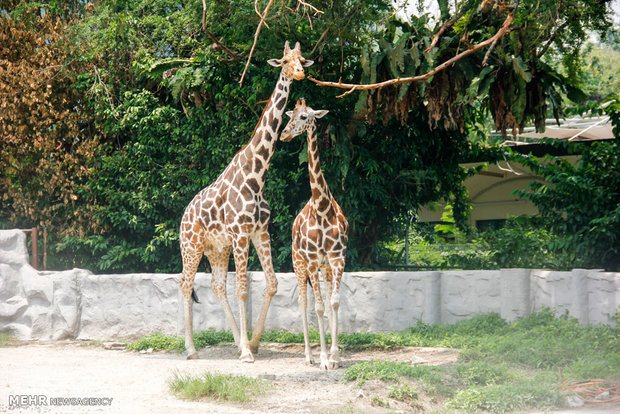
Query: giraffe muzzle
point(286, 136)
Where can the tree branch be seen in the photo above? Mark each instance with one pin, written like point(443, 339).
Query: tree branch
point(353, 87)
point(443, 28)
point(544, 49)
point(219, 44)
point(260, 25)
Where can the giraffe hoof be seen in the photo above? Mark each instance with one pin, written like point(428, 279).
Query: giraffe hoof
point(309, 361)
point(333, 365)
point(246, 357)
point(254, 349)
point(193, 355)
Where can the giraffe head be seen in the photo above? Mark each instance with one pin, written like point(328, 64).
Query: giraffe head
point(292, 63)
point(302, 118)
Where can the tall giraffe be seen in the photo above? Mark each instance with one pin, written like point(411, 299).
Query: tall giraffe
point(232, 211)
point(320, 234)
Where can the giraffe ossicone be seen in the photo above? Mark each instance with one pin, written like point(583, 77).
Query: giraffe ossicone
point(320, 235)
point(232, 212)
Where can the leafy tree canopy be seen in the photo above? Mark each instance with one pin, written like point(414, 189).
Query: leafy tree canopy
point(153, 111)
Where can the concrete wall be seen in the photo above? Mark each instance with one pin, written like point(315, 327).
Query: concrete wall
point(78, 304)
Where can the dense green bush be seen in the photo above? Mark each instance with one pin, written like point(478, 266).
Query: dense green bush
point(521, 242)
point(153, 111)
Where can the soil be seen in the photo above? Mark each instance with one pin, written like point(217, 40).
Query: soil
point(137, 382)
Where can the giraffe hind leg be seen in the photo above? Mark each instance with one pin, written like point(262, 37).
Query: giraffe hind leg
point(262, 244)
point(302, 283)
point(191, 259)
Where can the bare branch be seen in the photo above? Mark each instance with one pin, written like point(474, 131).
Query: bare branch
point(321, 39)
point(260, 25)
point(304, 4)
point(352, 86)
point(544, 49)
point(486, 56)
point(442, 29)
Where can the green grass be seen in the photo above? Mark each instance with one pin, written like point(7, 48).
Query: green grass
point(504, 366)
point(504, 398)
point(160, 342)
point(404, 393)
point(220, 387)
point(5, 338)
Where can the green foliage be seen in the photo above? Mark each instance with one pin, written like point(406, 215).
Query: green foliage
point(581, 203)
point(514, 83)
point(503, 366)
point(377, 401)
point(387, 371)
point(290, 337)
point(405, 393)
point(160, 342)
point(480, 372)
point(212, 337)
point(507, 398)
point(220, 387)
point(6, 338)
point(156, 113)
point(524, 242)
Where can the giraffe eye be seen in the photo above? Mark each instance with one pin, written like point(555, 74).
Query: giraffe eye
point(303, 117)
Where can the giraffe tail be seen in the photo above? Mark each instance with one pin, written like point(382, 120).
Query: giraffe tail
point(195, 296)
point(309, 282)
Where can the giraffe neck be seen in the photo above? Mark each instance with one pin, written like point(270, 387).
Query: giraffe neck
point(259, 150)
point(318, 185)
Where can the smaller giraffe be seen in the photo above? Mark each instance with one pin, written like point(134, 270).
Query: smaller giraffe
point(320, 234)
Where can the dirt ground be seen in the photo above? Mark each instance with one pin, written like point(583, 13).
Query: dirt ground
point(137, 383)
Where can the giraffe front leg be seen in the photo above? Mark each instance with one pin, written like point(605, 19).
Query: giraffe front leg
point(337, 267)
point(240, 251)
point(326, 272)
point(319, 308)
point(302, 284)
point(262, 244)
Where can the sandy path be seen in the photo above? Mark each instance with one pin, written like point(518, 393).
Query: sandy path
point(137, 383)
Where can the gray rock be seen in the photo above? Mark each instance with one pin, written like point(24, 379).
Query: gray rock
point(574, 402)
point(13, 248)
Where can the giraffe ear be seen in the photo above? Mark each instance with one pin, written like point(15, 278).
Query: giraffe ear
point(321, 113)
point(289, 114)
point(276, 63)
point(307, 63)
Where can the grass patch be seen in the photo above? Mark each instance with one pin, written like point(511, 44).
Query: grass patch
point(502, 398)
point(388, 371)
point(404, 393)
point(503, 366)
point(377, 401)
point(6, 338)
point(220, 387)
point(160, 342)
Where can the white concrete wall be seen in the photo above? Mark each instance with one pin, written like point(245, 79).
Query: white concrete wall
point(78, 304)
